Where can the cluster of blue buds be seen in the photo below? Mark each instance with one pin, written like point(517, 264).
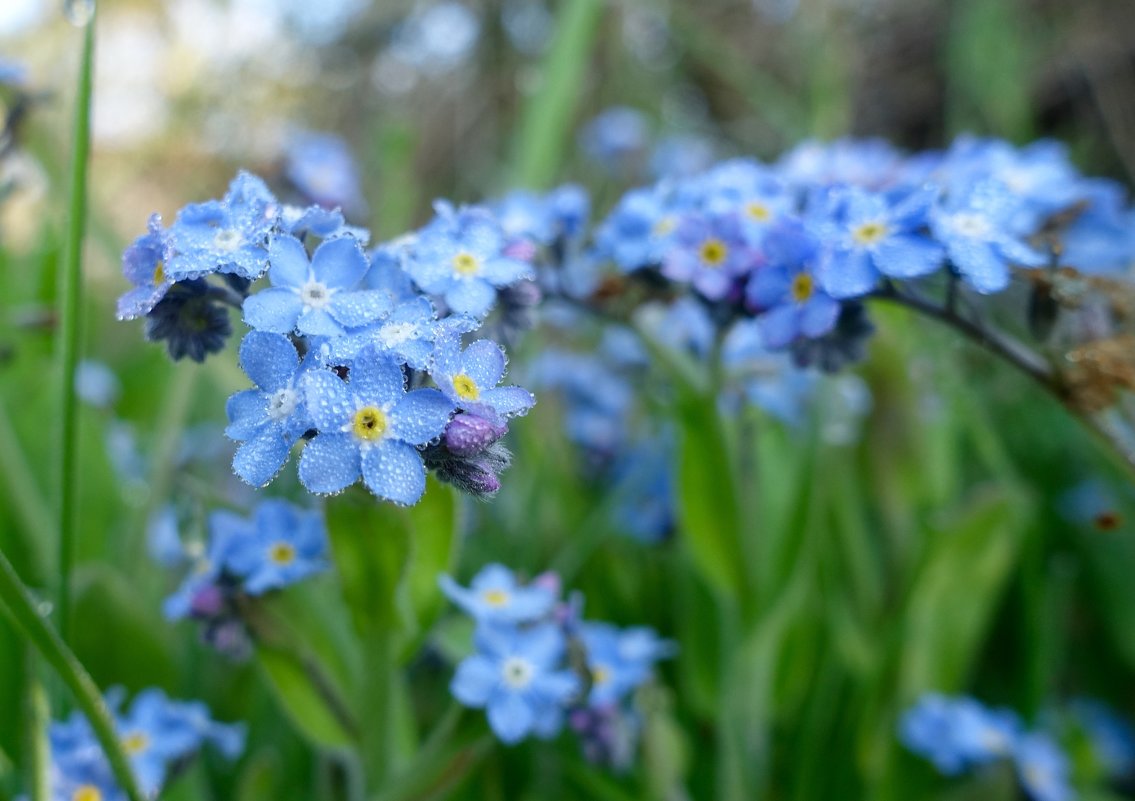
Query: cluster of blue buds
point(279, 545)
point(345, 342)
point(536, 661)
point(160, 736)
point(959, 734)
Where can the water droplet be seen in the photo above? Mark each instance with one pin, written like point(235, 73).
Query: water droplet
point(79, 12)
point(44, 608)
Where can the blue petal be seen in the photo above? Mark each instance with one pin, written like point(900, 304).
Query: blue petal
point(484, 362)
point(420, 416)
point(847, 274)
point(328, 400)
point(979, 264)
point(432, 273)
point(340, 263)
point(270, 360)
point(474, 681)
point(818, 316)
point(318, 323)
point(394, 471)
point(330, 463)
point(543, 645)
point(258, 460)
point(471, 296)
point(904, 256)
point(288, 259)
point(273, 309)
point(246, 413)
point(376, 378)
point(779, 326)
point(510, 717)
point(504, 271)
point(354, 309)
point(508, 401)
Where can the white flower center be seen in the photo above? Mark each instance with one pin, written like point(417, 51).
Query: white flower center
point(315, 294)
point(517, 673)
point(227, 240)
point(971, 225)
point(282, 403)
point(394, 334)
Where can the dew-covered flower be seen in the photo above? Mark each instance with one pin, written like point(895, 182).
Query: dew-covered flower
point(461, 257)
point(407, 334)
point(284, 545)
point(370, 427)
point(269, 419)
point(469, 379)
point(515, 676)
point(495, 596)
point(320, 297)
point(785, 289)
point(143, 264)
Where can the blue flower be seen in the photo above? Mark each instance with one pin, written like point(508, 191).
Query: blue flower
point(199, 595)
point(387, 272)
point(614, 136)
point(270, 419)
point(974, 225)
point(370, 427)
point(228, 236)
point(494, 596)
point(1112, 738)
point(958, 733)
point(872, 235)
point(1043, 768)
point(319, 222)
point(460, 257)
point(287, 544)
point(320, 297)
point(597, 400)
point(322, 168)
point(709, 252)
point(619, 661)
point(634, 234)
point(407, 334)
point(785, 291)
point(469, 379)
point(143, 264)
point(515, 676)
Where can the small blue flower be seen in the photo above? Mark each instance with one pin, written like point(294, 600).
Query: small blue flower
point(407, 334)
point(317, 221)
point(873, 235)
point(494, 596)
point(785, 290)
point(319, 297)
point(636, 231)
point(287, 544)
point(1112, 738)
point(1043, 768)
point(708, 252)
point(619, 661)
point(143, 264)
point(614, 136)
point(974, 225)
point(322, 168)
point(269, 419)
point(597, 400)
point(958, 733)
point(514, 675)
point(197, 593)
point(228, 236)
point(460, 257)
point(387, 273)
point(469, 379)
point(370, 427)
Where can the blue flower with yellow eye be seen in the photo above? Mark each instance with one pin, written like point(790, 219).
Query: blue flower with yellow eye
point(143, 264)
point(785, 290)
point(619, 661)
point(709, 252)
point(515, 676)
point(469, 378)
point(317, 297)
point(495, 596)
point(227, 236)
point(269, 419)
point(370, 426)
point(460, 257)
point(286, 544)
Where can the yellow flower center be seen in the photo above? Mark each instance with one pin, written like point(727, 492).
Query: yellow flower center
point(600, 674)
point(495, 597)
point(465, 387)
point(87, 792)
point(802, 287)
point(869, 233)
point(758, 211)
point(159, 273)
point(466, 264)
point(135, 743)
point(664, 226)
point(369, 423)
point(282, 553)
point(713, 252)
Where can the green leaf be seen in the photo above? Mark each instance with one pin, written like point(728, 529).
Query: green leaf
point(306, 702)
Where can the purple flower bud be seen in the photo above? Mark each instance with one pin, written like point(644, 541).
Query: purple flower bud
point(521, 249)
point(209, 601)
point(469, 434)
point(549, 580)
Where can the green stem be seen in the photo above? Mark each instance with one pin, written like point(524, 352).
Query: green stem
point(21, 608)
point(38, 717)
point(70, 294)
point(28, 503)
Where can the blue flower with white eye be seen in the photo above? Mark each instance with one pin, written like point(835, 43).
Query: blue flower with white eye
point(287, 544)
point(974, 225)
point(708, 252)
point(228, 236)
point(785, 290)
point(514, 675)
point(143, 264)
point(370, 426)
point(269, 419)
point(956, 734)
point(871, 235)
point(619, 661)
point(320, 297)
point(495, 596)
point(407, 334)
point(460, 257)
point(1043, 768)
point(469, 379)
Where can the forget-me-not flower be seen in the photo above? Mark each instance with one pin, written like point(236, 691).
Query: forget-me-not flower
point(285, 544)
point(786, 291)
point(469, 378)
point(495, 596)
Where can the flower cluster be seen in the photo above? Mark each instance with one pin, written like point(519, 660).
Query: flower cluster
point(158, 735)
point(278, 545)
point(521, 673)
point(960, 734)
point(344, 341)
